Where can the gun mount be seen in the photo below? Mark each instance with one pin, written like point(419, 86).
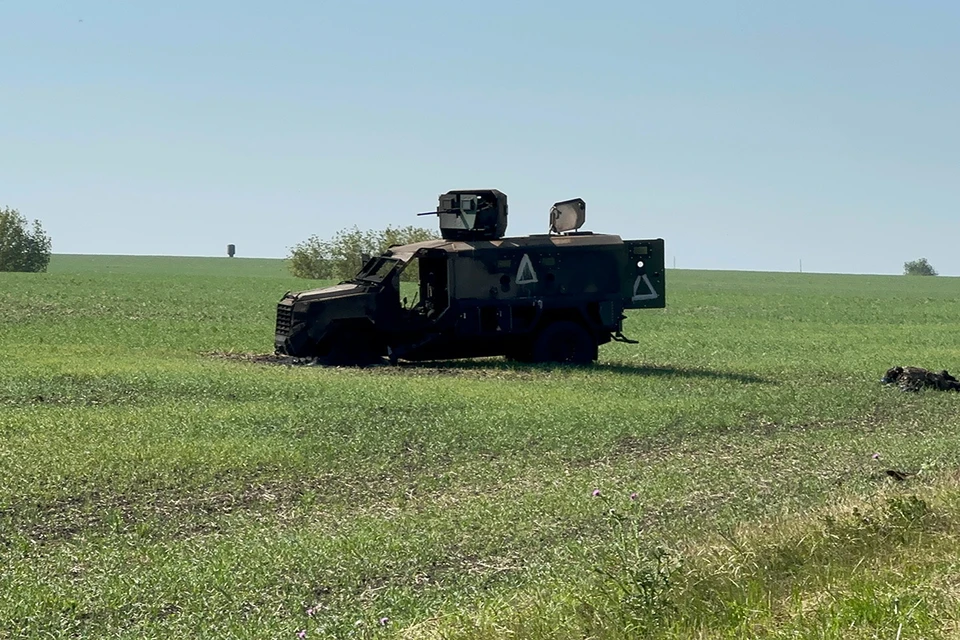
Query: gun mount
point(480, 214)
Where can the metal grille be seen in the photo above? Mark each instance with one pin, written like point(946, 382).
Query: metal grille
point(284, 319)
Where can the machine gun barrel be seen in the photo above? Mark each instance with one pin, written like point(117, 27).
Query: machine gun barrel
point(436, 213)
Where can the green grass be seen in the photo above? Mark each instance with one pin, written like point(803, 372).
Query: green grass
point(148, 489)
point(167, 266)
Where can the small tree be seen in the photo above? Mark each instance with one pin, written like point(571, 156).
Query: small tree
point(340, 257)
point(406, 235)
point(21, 249)
point(311, 259)
point(346, 249)
point(918, 268)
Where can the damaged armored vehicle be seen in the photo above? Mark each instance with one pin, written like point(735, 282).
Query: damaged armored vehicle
point(554, 297)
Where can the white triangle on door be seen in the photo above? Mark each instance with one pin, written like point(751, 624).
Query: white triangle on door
point(526, 274)
point(652, 293)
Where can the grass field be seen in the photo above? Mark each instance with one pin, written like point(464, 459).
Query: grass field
point(716, 480)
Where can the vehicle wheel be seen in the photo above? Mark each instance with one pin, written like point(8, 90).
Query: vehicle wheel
point(565, 341)
point(523, 355)
point(298, 343)
point(352, 346)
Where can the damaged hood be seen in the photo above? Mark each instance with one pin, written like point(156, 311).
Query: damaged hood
point(336, 291)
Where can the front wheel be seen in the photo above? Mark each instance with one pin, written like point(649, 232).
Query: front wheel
point(354, 346)
point(566, 342)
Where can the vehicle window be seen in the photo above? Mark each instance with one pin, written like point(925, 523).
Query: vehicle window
point(383, 269)
point(380, 270)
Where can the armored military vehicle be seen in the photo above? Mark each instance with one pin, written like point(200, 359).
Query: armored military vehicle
point(553, 297)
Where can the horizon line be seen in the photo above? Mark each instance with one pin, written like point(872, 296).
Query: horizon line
point(666, 267)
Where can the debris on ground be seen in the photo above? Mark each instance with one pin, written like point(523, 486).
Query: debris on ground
point(475, 368)
point(916, 378)
point(260, 358)
point(899, 476)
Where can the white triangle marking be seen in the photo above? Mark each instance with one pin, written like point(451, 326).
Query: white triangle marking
point(525, 273)
point(637, 296)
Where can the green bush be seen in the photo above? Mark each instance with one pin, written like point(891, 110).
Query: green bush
point(341, 256)
point(310, 259)
point(918, 268)
point(21, 249)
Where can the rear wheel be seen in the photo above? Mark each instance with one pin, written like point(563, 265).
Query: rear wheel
point(566, 342)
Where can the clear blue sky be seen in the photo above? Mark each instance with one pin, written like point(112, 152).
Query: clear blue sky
point(749, 135)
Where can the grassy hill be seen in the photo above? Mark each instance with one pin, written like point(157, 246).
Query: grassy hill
point(716, 480)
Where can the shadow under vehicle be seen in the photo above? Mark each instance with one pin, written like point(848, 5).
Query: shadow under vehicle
point(554, 297)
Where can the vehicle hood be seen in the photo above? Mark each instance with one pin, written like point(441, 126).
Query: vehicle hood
point(346, 290)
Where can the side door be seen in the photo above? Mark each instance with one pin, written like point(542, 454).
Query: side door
point(644, 282)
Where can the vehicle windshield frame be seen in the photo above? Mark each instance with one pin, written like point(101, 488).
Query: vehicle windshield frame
point(373, 270)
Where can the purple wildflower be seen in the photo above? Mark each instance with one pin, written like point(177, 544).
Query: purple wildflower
point(310, 611)
point(596, 493)
point(384, 621)
point(876, 456)
point(302, 633)
point(633, 496)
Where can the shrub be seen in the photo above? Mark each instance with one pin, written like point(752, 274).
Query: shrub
point(310, 259)
point(918, 268)
point(21, 249)
point(341, 256)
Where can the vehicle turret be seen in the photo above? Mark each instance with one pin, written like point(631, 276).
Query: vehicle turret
point(479, 214)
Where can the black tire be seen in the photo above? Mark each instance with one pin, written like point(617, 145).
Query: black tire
point(354, 346)
point(522, 354)
point(298, 344)
point(565, 342)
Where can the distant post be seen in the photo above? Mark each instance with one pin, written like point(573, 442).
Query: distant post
point(231, 249)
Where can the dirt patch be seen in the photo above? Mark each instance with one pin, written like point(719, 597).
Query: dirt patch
point(177, 512)
point(474, 368)
point(259, 358)
point(165, 512)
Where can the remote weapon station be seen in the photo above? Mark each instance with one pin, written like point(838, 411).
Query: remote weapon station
point(553, 297)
